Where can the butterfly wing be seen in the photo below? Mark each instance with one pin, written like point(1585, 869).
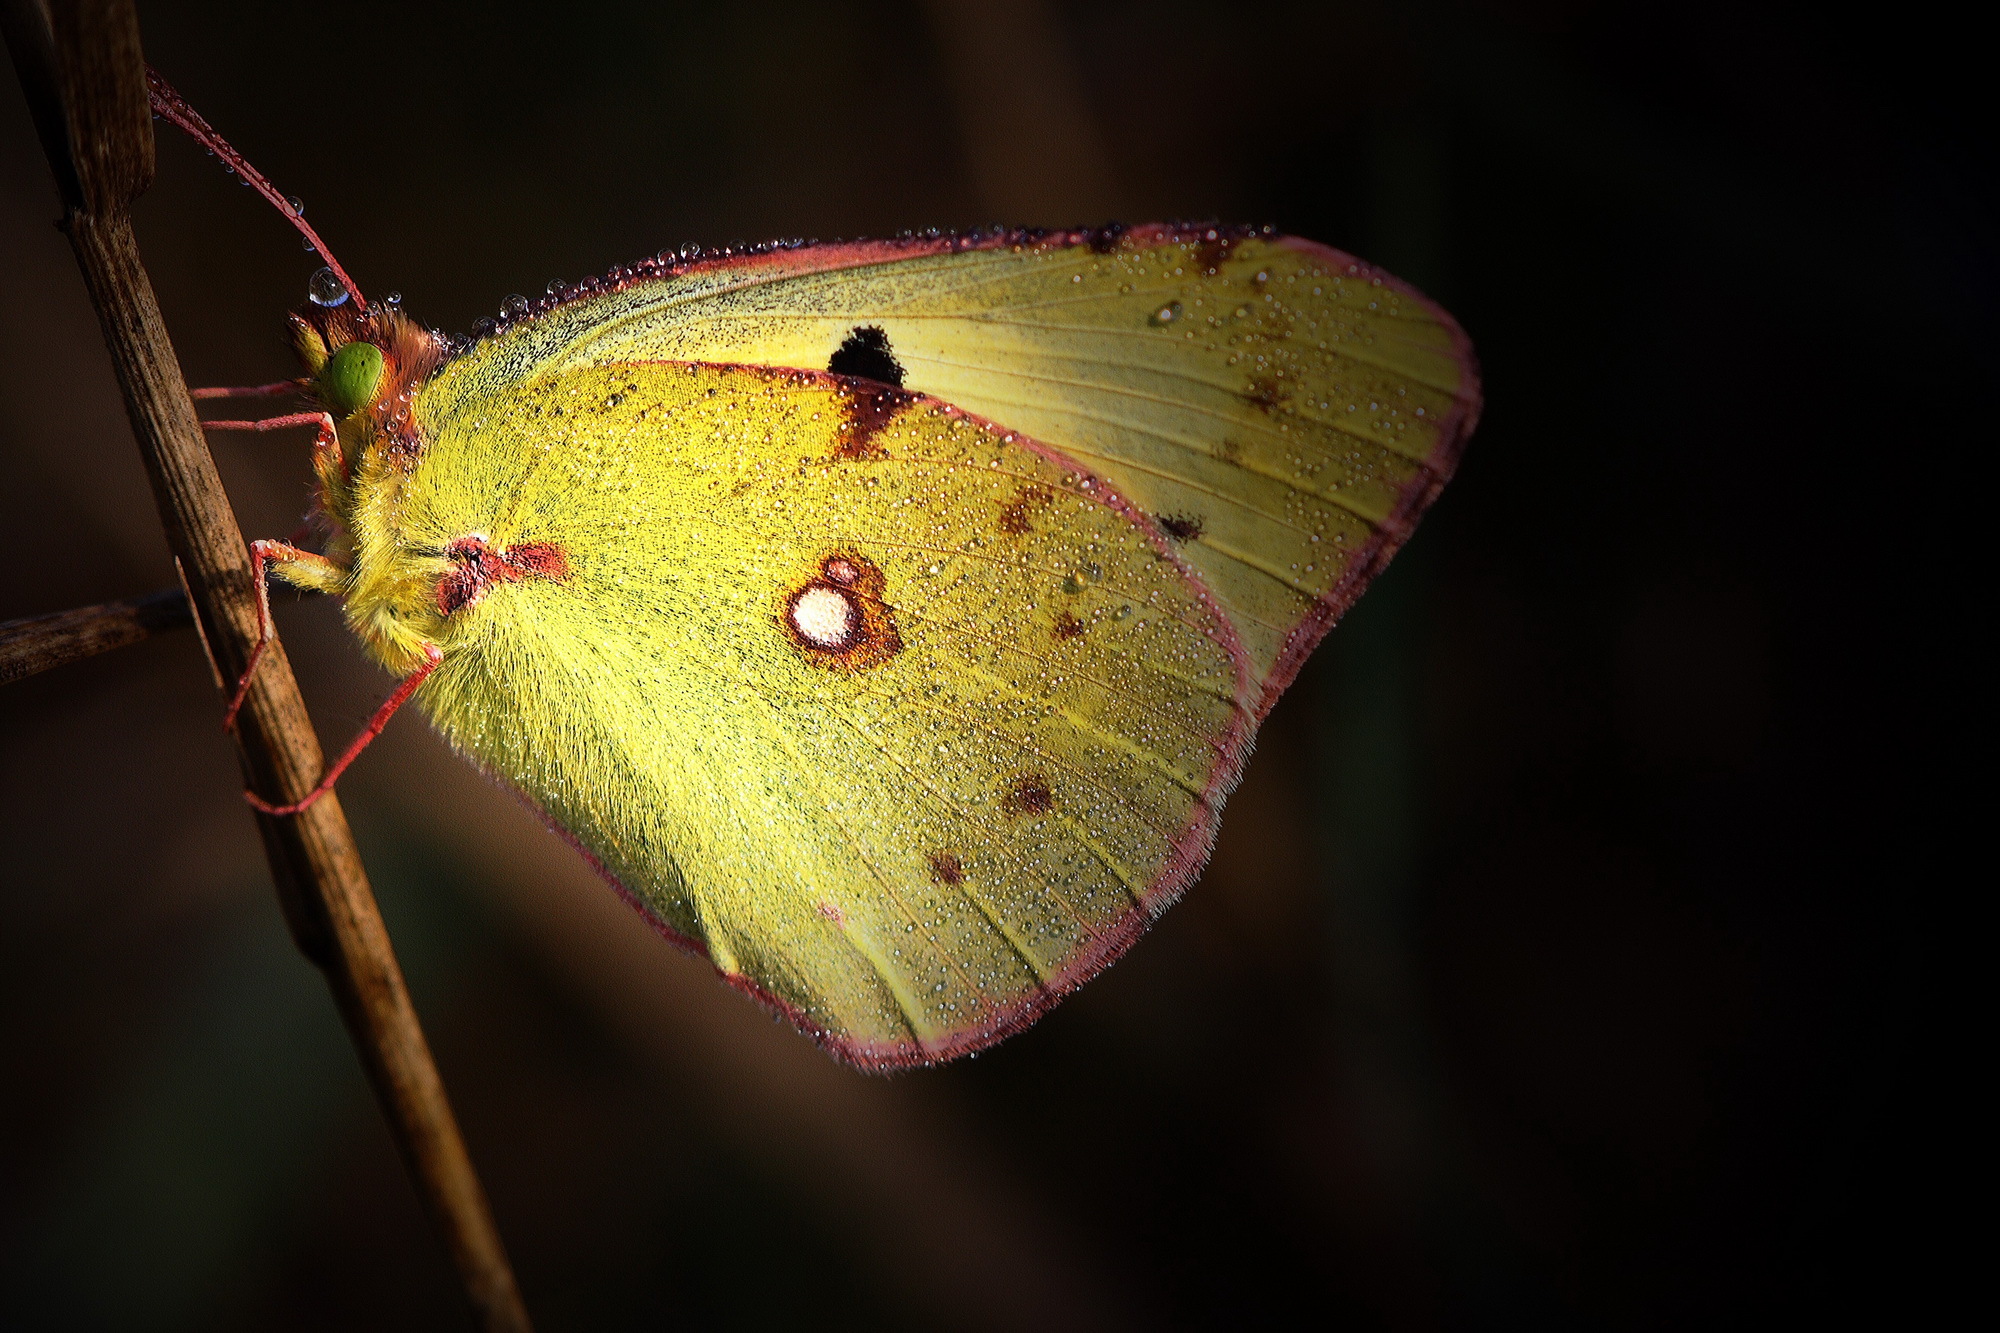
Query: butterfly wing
point(1092, 498)
point(1284, 411)
point(908, 721)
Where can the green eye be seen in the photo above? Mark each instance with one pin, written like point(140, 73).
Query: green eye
point(350, 377)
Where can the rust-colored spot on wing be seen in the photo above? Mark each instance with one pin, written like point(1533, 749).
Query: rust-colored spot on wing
point(476, 567)
point(544, 560)
point(1181, 527)
point(1068, 626)
point(1213, 252)
point(870, 408)
point(947, 869)
point(1017, 514)
point(1266, 392)
point(1029, 795)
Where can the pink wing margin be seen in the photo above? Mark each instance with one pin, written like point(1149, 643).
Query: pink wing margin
point(1190, 851)
point(1417, 494)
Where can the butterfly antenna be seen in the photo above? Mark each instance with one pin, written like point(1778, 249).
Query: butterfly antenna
point(170, 105)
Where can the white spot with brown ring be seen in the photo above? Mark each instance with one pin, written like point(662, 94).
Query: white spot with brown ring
point(825, 617)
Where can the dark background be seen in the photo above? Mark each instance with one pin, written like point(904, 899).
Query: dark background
point(1570, 954)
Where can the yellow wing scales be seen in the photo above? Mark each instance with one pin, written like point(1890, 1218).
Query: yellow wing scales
point(904, 853)
point(911, 706)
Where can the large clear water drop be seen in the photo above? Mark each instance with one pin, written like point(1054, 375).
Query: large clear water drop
point(325, 288)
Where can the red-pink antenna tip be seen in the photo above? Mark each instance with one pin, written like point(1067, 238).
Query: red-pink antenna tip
point(170, 105)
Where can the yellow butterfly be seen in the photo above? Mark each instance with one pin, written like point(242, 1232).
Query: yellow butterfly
point(889, 620)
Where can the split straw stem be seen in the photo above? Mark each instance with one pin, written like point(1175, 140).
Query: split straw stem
point(85, 78)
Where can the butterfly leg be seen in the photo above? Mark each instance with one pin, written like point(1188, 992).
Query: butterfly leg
point(301, 569)
point(432, 657)
point(276, 389)
point(321, 419)
point(328, 462)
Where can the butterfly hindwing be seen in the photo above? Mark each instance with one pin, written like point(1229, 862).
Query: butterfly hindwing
point(910, 721)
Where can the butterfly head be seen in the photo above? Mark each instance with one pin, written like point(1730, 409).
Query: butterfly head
point(348, 379)
point(364, 366)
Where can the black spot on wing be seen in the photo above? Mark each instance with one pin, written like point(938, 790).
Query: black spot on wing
point(866, 354)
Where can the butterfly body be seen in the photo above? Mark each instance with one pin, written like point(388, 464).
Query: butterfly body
point(889, 621)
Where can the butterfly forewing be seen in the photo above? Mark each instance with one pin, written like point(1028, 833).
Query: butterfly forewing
point(1282, 410)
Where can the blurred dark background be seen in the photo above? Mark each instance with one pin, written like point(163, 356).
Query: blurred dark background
point(1569, 958)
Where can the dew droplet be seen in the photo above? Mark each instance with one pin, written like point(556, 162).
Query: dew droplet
point(1165, 315)
point(325, 288)
point(514, 306)
point(296, 204)
point(393, 299)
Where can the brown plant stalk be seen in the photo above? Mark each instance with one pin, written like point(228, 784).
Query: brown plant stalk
point(41, 642)
point(80, 65)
